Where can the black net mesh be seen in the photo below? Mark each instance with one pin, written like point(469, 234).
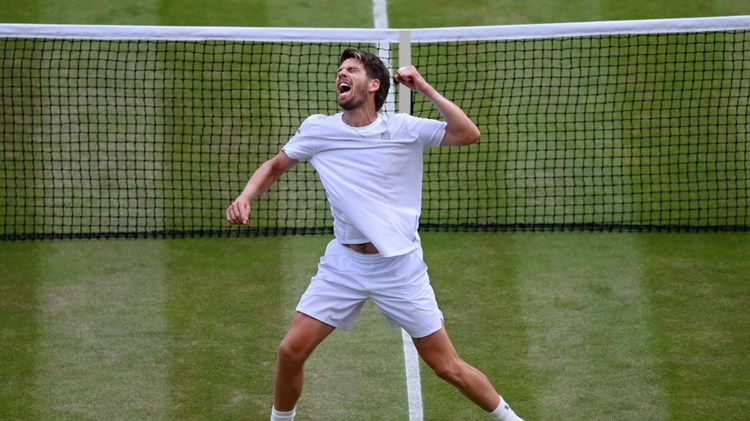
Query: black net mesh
point(145, 138)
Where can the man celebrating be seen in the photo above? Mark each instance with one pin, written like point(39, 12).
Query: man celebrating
point(371, 168)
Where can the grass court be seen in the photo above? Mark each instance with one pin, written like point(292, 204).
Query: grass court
point(568, 325)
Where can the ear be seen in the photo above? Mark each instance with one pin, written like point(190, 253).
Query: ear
point(374, 85)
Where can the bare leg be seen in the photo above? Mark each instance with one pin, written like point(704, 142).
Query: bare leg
point(438, 352)
point(304, 335)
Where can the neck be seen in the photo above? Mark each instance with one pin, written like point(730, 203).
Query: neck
point(360, 117)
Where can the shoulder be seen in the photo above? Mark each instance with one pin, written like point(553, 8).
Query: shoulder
point(313, 120)
point(317, 122)
point(310, 136)
point(406, 119)
point(322, 119)
point(398, 117)
point(403, 121)
point(427, 131)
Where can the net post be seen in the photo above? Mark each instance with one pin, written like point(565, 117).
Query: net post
point(404, 59)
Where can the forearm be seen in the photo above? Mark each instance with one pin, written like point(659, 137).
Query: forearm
point(460, 129)
point(456, 118)
point(267, 174)
point(261, 180)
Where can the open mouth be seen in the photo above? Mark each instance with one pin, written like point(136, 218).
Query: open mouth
point(344, 88)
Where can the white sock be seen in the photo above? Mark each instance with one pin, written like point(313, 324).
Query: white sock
point(283, 416)
point(504, 413)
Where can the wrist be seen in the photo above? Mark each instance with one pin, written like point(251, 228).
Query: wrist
point(428, 91)
point(244, 198)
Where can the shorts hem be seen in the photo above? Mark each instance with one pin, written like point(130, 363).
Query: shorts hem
point(330, 323)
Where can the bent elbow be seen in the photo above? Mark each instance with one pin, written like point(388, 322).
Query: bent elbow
point(474, 136)
point(466, 136)
point(470, 136)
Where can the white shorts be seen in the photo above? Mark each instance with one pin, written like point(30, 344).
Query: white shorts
point(398, 286)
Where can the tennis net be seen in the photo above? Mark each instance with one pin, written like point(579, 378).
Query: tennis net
point(114, 131)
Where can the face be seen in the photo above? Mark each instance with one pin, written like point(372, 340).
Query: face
point(353, 85)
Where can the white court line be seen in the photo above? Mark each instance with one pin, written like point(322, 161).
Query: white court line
point(413, 385)
point(380, 17)
point(411, 358)
point(380, 13)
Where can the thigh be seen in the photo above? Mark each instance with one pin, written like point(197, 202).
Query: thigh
point(305, 334)
point(436, 350)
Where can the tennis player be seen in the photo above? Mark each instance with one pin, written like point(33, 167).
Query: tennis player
point(371, 167)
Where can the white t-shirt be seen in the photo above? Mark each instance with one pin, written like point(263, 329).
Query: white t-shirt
point(372, 175)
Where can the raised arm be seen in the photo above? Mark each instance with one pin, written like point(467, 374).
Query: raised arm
point(267, 174)
point(460, 130)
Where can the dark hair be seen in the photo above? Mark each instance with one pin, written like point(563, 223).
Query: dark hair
point(375, 69)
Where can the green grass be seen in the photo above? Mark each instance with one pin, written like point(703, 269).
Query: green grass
point(591, 326)
point(487, 12)
point(189, 13)
point(567, 325)
point(332, 13)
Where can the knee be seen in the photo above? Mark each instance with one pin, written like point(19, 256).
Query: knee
point(450, 371)
point(290, 355)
